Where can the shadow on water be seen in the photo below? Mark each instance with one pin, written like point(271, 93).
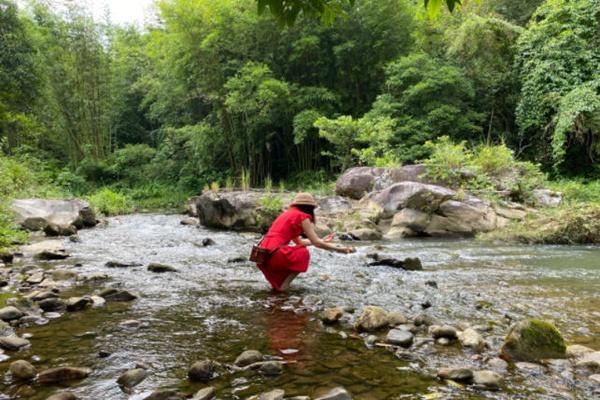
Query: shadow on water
point(215, 309)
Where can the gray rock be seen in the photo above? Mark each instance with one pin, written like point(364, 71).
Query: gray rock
point(78, 303)
point(63, 374)
point(527, 368)
point(444, 331)
point(121, 264)
point(488, 379)
point(456, 374)
point(36, 214)
point(160, 268)
point(248, 357)
point(132, 377)
point(533, 340)
point(64, 275)
point(372, 318)
point(595, 378)
point(10, 313)
point(13, 343)
point(497, 364)
point(189, 221)
point(338, 393)
point(589, 360)
point(366, 234)
point(547, 198)
point(332, 315)
point(276, 394)
point(205, 394)
point(111, 294)
point(472, 339)
point(202, 371)
point(22, 370)
point(396, 318)
point(577, 350)
point(60, 230)
point(165, 394)
point(358, 181)
point(399, 337)
point(334, 205)
point(271, 368)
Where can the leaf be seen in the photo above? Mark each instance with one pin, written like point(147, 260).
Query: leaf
point(262, 5)
point(433, 7)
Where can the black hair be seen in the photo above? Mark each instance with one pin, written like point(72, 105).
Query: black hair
point(305, 208)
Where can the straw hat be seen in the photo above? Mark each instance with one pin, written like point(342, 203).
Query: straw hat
point(304, 199)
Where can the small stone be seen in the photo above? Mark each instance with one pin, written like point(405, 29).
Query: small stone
point(205, 394)
point(276, 394)
point(22, 370)
point(433, 284)
point(399, 337)
point(396, 318)
point(577, 350)
point(202, 371)
point(271, 368)
point(208, 242)
point(13, 343)
point(165, 394)
point(52, 255)
point(189, 221)
point(160, 268)
point(248, 357)
point(52, 304)
point(371, 319)
point(488, 379)
point(132, 377)
point(498, 364)
point(78, 303)
point(103, 354)
point(130, 324)
point(595, 378)
point(119, 264)
point(63, 396)
point(332, 315)
point(64, 275)
point(444, 331)
point(589, 360)
point(456, 374)
point(424, 319)
point(472, 339)
point(443, 341)
point(98, 301)
point(63, 374)
point(10, 313)
point(528, 368)
point(338, 393)
point(111, 294)
point(371, 340)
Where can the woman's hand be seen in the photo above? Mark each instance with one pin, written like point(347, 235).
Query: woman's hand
point(329, 237)
point(347, 249)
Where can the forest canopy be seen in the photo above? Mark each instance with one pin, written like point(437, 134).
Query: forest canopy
point(214, 90)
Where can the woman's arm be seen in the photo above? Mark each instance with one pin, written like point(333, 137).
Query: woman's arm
point(301, 242)
point(309, 231)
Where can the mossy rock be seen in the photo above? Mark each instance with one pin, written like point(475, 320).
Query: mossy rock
point(533, 340)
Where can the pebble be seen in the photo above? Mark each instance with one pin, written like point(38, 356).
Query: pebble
point(338, 393)
point(276, 394)
point(202, 371)
point(10, 313)
point(399, 337)
point(456, 374)
point(488, 379)
point(497, 364)
point(444, 331)
point(595, 378)
point(132, 377)
point(205, 394)
point(22, 370)
point(13, 342)
point(248, 357)
point(528, 368)
point(332, 315)
point(160, 268)
point(271, 368)
point(165, 394)
point(63, 374)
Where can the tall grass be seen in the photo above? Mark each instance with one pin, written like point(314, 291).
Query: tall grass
point(109, 202)
point(245, 179)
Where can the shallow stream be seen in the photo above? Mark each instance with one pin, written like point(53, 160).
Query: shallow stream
point(215, 309)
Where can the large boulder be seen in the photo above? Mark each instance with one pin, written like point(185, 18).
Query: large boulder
point(533, 340)
point(371, 319)
point(358, 181)
point(547, 198)
point(415, 195)
point(334, 205)
point(238, 210)
point(55, 216)
point(466, 217)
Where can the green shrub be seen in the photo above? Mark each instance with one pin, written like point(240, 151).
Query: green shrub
point(109, 202)
point(494, 160)
point(448, 161)
point(158, 196)
point(10, 234)
point(270, 203)
point(578, 191)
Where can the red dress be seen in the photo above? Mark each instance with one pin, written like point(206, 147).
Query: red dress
point(288, 259)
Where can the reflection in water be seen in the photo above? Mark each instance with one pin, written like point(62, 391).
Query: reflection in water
point(286, 332)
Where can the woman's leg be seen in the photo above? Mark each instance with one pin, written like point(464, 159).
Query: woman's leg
point(286, 283)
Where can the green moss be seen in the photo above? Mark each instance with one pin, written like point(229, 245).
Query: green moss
point(533, 340)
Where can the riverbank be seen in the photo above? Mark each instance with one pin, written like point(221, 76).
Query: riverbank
point(215, 309)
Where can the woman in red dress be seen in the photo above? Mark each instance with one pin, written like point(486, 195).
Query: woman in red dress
point(286, 261)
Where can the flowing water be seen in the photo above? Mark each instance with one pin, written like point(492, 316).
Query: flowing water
point(215, 309)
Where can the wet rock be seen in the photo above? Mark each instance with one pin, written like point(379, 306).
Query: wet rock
point(371, 340)
point(22, 370)
point(433, 284)
point(35, 278)
point(130, 324)
point(338, 393)
point(396, 318)
point(132, 377)
point(52, 304)
point(202, 371)
point(208, 242)
point(589, 360)
point(408, 264)
point(59, 230)
point(424, 320)
point(276, 394)
point(595, 378)
point(120, 264)
point(112, 294)
point(358, 181)
point(533, 340)
point(456, 374)
point(52, 255)
point(443, 341)
point(371, 319)
point(165, 394)
point(98, 301)
point(497, 364)
point(271, 368)
point(399, 337)
point(42, 295)
point(472, 339)
point(36, 214)
point(10, 313)
point(63, 396)
point(444, 331)
point(64, 275)
point(104, 354)
point(13, 343)
point(63, 374)
point(74, 239)
point(577, 350)
point(78, 303)
point(6, 257)
point(236, 260)
point(189, 221)
point(527, 368)
point(160, 268)
point(332, 315)
point(487, 379)
point(334, 205)
point(205, 394)
point(366, 234)
point(248, 357)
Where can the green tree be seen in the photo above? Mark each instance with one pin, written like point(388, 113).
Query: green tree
point(559, 60)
